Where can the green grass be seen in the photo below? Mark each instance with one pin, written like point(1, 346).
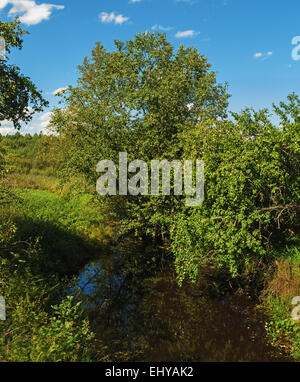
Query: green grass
point(66, 233)
point(79, 214)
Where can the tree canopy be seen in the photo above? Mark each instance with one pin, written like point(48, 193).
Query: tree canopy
point(19, 97)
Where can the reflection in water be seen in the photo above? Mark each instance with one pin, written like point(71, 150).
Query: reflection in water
point(185, 326)
point(155, 320)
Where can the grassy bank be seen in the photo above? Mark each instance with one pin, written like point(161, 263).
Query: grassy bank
point(283, 286)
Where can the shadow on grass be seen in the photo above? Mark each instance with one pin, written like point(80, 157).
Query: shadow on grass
point(52, 249)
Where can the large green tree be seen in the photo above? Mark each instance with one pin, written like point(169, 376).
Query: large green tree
point(19, 97)
point(138, 99)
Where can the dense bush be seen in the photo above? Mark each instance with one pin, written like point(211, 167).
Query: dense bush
point(37, 331)
point(251, 191)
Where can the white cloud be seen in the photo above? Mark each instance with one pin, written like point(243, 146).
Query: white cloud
point(39, 124)
point(185, 34)
point(7, 130)
point(6, 127)
point(262, 56)
point(186, 1)
point(161, 28)
point(134, 1)
point(45, 119)
point(112, 18)
point(31, 12)
point(58, 91)
point(3, 3)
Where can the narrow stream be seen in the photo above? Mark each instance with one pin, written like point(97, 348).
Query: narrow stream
point(173, 323)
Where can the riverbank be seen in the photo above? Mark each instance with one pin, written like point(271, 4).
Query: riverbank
point(145, 315)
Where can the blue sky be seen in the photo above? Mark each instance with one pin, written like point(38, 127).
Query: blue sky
point(248, 43)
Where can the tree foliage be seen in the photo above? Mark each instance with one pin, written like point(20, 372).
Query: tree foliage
point(137, 99)
point(251, 191)
point(19, 97)
point(154, 103)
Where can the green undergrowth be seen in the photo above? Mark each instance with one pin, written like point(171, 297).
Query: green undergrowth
point(283, 331)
